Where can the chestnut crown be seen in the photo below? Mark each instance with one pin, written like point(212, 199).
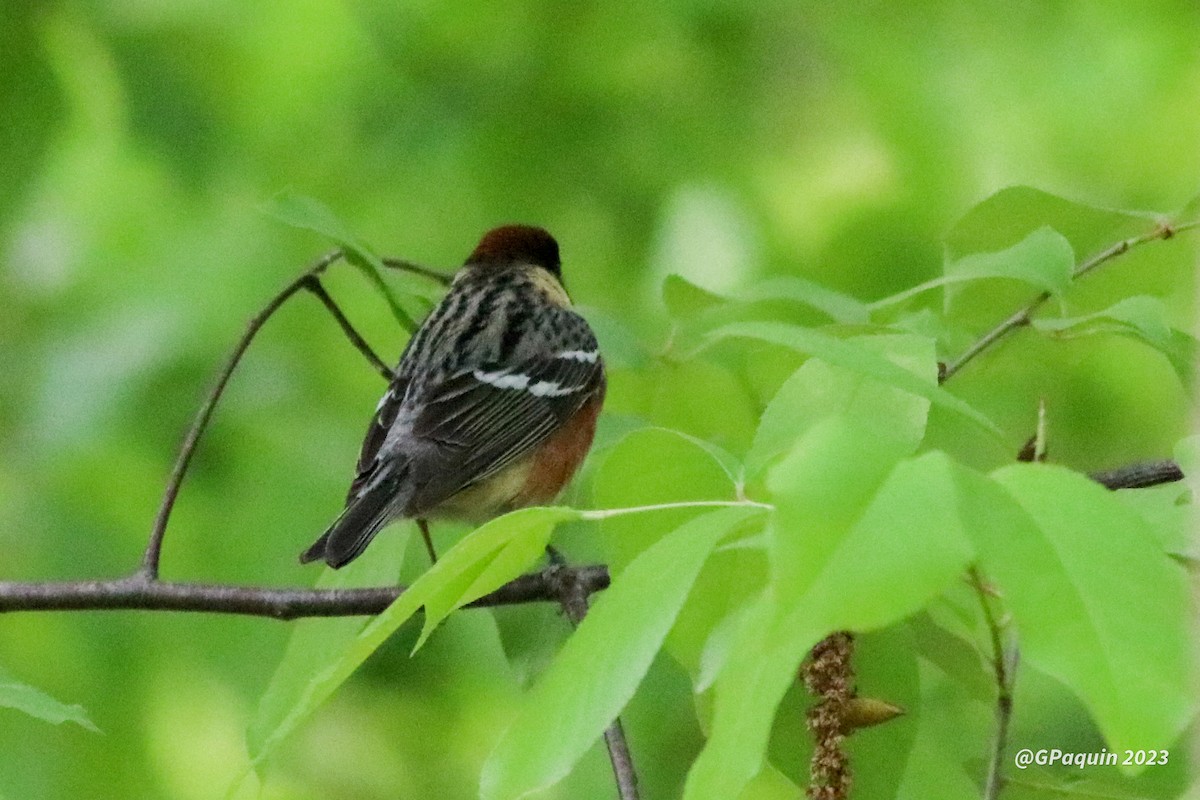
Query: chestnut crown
point(513, 244)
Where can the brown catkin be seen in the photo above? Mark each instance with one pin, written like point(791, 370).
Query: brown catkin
point(830, 677)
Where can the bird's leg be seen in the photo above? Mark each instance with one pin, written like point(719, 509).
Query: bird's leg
point(424, 526)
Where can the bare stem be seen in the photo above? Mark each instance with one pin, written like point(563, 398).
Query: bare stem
point(136, 593)
point(425, 272)
point(153, 553)
point(314, 285)
point(1022, 317)
point(573, 597)
point(1002, 669)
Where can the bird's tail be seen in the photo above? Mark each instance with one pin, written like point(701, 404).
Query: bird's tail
point(363, 517)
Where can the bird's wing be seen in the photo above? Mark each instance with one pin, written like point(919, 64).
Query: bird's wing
point(483, 418)
point(385, 417)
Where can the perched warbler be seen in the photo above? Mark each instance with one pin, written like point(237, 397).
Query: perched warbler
point(493, 405)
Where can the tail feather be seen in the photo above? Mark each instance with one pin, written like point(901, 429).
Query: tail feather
point(365, 516)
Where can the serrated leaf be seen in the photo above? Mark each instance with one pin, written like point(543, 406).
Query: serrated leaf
point(907, 547)
point(1098, 605)
point(853, 356)
point(36, 703)
point(601, 665)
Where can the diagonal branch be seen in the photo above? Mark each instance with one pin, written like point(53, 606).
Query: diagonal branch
point(1022, 317)
point(314, 286)
point(435, 275)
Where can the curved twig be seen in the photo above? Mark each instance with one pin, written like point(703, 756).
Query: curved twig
point(153, 552)
point(1024, 315)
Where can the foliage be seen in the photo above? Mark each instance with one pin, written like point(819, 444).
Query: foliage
point(856, 488)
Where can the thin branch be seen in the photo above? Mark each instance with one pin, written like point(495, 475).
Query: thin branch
point(153, 553)
point(573, 597)
point(141, 594)
point(1022, 317)
point(314, 285)
point(1003, 669)
point(434, 275)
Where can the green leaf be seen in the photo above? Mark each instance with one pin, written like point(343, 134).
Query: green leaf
point(1145, 316)
point(317, 644)
point(601, 665)
point(1012, 214)
point(1167, 513)
point(852, 355)
point(945, 758)
point(906, 548)
point(1187, 456)
point(457, 575)
point(685, 299)
point(771, 784)
point(837, 306)
point(486, 560)
point(307, 213)
point(36, 703)
point(651, 466)
point(1141, 317)
point(1098, 605)
point(621, 348)
point(817, 390)
point(1043, 259)
point(686, 302)
point(820, 490)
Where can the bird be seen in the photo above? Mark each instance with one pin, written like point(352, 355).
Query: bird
point(492, 407)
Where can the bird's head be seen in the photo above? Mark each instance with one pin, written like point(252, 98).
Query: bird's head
point(517, 244)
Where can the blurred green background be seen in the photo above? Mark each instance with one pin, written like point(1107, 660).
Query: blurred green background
point(721, 140)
